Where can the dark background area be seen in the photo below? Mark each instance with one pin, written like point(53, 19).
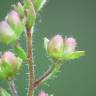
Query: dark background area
point(75, 18)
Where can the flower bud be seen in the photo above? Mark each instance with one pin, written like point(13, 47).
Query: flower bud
point(56, 46)
point(70, 44)
point(10, 64)
point(42, 93)
point(9, 57)
point(61, 49)
point(14, 21)
point(7, 35)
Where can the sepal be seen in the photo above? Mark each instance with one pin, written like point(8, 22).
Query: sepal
point(46, 40)
point(74, 55)
point(20, 52)
point(39, 4)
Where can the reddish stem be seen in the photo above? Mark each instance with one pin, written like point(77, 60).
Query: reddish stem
point(44, 76)
point(30, 62)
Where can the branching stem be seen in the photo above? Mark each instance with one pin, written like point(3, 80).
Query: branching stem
point(45, 76)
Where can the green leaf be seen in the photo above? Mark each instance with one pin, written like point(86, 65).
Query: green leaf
point(30, 19)
point(39, 4)
point(46, 43)
point(19, 8)
point(2, 73)
point(20, 52)
point(3, 92)
point(27, 4)
point(74, 55)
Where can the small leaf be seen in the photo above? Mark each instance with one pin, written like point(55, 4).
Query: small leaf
point(39, 4)
point(74, 55)
point(19, 8)
point(3, 92)
point(20, 52)
point(27, 4)
point(46, 43)
point(30, 19)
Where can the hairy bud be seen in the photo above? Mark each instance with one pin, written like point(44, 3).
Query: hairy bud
point(19, 8)
point(70, 44)
point(56, 46)
point(42, 93)
point(14, 21)
point(7, 35)
point(61, 49)
point(10, 64)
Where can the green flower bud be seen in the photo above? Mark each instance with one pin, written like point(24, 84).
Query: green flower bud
point(14, 21)
point(19, 8)
point(30, 18)
point(9, 66)
point(30, 13)
point(7, 35)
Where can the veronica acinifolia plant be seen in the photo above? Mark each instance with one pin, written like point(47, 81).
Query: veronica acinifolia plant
point(21, 20)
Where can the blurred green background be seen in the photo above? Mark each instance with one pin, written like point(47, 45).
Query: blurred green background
point(75, 18)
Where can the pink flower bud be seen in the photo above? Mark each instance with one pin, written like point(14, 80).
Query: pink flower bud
point(10, 64)
point(9, 57)
point(42, 93)
point(7, 35)
point(61, 49)
point(13, 17)
point(70, 44)
point(14, 21)
point(55, 44)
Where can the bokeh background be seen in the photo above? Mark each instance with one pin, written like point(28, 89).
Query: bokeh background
point(75, 18)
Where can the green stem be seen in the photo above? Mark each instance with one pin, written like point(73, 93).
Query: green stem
point(12, 87)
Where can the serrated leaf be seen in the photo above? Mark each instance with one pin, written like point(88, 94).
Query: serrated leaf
point(20, 52)
point(74, 55)
point(3, 92)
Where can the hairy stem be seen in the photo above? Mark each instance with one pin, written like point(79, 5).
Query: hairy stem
point(30, 63)
point(12, 87)
point(45, 76)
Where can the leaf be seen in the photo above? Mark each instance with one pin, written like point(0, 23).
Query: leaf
point(30, 19)
point(19, 8)
point(39, 4)
point(3, 92)
point(27, 4)
point(74, 55)
point(46, 43)
point(20, 52)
